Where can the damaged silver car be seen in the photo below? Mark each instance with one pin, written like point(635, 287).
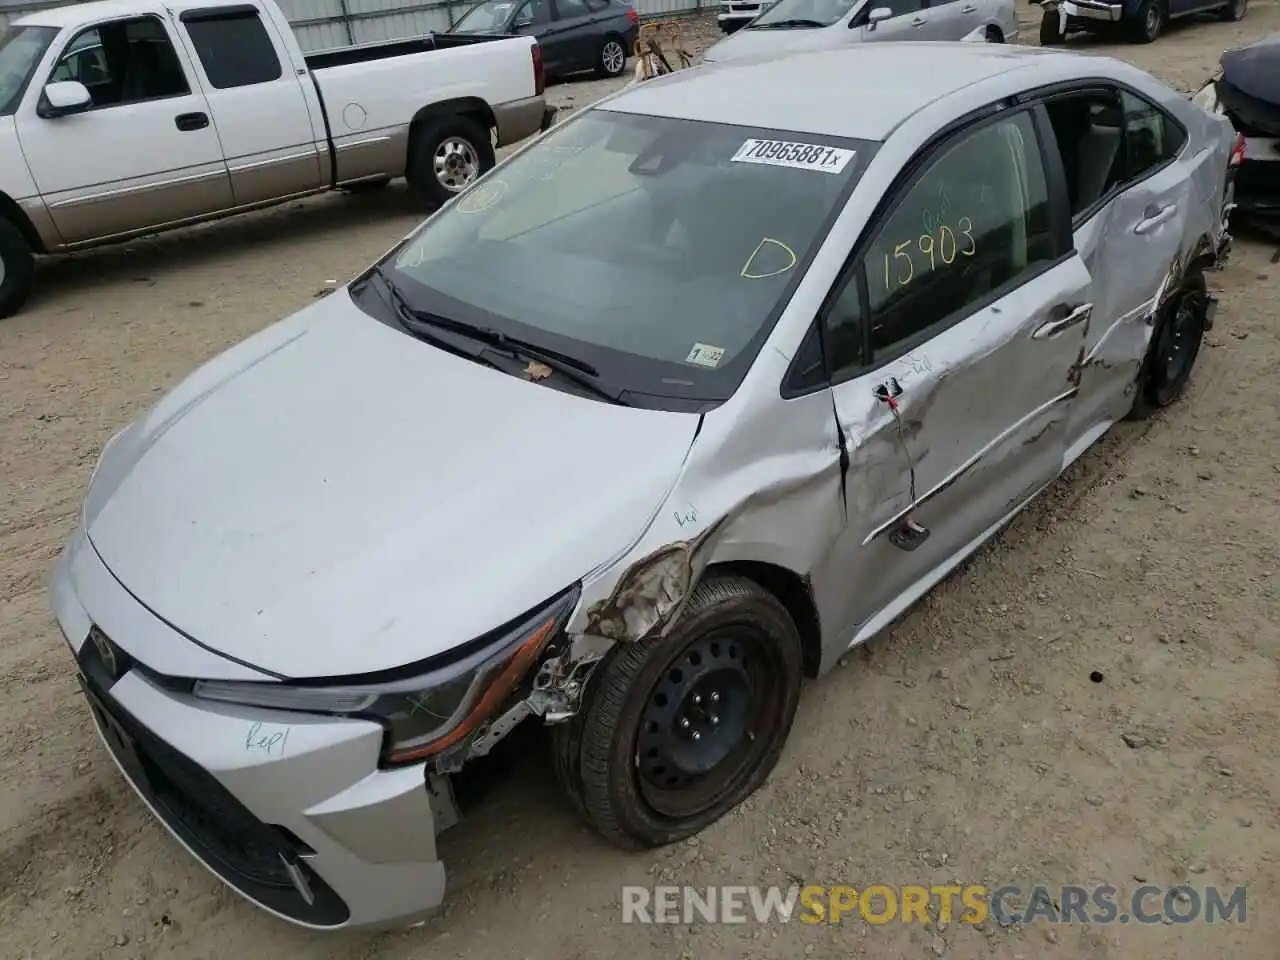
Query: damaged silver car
point(693, 394)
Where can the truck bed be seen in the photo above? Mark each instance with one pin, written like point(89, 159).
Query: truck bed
point(367, 52)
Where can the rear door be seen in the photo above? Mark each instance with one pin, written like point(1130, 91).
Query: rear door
point(1130, 200)
point(575, 27)
point(951, 343)
point(952, 19)
point(535, 19)
point(910, 21)
point(258, 102)
point(145, 155)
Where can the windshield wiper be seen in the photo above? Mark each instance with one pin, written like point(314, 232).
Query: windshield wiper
point(571, 368)
point(787, 24)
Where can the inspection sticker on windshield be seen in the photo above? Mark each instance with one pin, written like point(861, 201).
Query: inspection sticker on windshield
point(705, 355)
point(802, 156)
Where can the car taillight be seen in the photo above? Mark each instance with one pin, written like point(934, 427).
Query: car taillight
point(539, 75)
point(1237, 152)
point(632, 15)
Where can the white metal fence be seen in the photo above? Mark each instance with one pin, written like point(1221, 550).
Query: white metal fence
point(325, 24)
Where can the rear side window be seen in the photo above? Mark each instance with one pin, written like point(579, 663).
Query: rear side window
point(234, 48)
point(1152, 137)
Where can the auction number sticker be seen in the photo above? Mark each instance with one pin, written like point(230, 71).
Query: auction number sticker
point(802, 156)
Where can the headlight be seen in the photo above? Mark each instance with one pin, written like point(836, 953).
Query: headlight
point(424, 714)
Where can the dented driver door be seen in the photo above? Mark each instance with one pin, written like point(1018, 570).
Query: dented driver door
point(957, 417)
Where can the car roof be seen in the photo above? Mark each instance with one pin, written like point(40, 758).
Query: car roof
point(862, 91)
point(77, 13)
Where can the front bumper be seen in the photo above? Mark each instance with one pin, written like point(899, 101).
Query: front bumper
point(1076, 11)
point(735, 13)
point(290, 810)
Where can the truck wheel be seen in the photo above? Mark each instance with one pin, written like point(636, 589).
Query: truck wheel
point(675, 731)
point(17, 269)
point(611, 61)
point(1149, 22)
point(1051, 30)
point(1234, 11)
point(1175, 344)
point(447, 156)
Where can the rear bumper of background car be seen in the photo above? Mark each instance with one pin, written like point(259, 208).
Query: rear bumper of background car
point(290, 810)
point(1085, 10)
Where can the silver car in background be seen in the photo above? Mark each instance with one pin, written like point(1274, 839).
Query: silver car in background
point(821, 24)
point(667, 412)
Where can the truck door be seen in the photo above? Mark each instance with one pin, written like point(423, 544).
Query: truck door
point(144, 155)
point(260, 106)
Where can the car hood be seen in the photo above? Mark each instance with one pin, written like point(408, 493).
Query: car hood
point(333, 497)
point(754, 43)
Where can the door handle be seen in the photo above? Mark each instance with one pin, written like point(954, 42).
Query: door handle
point(969, 9)
point(1153, 216)
point(191, 121)
point(1071, 315)
point(918, 22)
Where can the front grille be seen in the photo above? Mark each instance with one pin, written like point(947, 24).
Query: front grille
point(247, 853)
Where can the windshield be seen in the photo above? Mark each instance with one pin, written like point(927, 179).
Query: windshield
point(484, 17)
point(21, 49)
point(659, 251)
point(801, 13)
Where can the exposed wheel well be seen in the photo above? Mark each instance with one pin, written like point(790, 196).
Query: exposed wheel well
point(793, 592)
point(995, 34)
point(10, 210)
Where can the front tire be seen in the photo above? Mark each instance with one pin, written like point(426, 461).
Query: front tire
point(1149, 22)
point(611, 61)
point(17, 269)
point(1175, 345)
point(675, 731)
point(1051, 32)
point(447, 156)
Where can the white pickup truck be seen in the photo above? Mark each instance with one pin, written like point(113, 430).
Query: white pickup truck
point(125, 117)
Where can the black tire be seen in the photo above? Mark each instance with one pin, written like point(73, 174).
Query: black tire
point(1149, 22)
point(1234, 11)
point(367, 186)
point(1175, 345)
point(17, 269)
point(1051, 33)
point(611, 58)
point(994, 35)
point(733, 636)
point(438, 137)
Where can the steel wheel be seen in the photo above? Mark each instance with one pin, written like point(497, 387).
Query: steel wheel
point(701, 727)
point(676, 730)
point(1174, 348)
point(455, 163)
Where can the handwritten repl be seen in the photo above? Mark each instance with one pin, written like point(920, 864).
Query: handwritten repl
point(272, 743)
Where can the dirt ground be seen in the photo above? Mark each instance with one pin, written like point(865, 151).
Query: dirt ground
point(967, 745)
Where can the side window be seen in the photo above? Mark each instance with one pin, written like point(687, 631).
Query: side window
point(534, 13)
point(234, 49)
point(597, 6)
point(975, 222)
point(568, 9)
point(128, 61)
point(1151, 136)
point(900, 8)
point(1088, 127)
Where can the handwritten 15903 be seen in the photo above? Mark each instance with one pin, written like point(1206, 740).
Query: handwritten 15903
point(940, 246)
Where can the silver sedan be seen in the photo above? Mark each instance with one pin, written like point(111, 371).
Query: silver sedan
point(793, 25)
point(673, 408)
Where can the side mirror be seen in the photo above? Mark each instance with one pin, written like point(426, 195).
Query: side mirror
point(878, 15)
point(63, 98)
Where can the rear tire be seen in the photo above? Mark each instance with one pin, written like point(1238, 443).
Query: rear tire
point(1175, 345)
point(1149, 22)
point(1234, 11)
point(1051, 34)
point(447, 156)
point(994, 35)
point(611, 61)
point(676, 731)
point(17, 269)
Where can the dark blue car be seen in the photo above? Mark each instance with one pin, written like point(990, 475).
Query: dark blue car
point(1141, 20)
point(574, 35)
